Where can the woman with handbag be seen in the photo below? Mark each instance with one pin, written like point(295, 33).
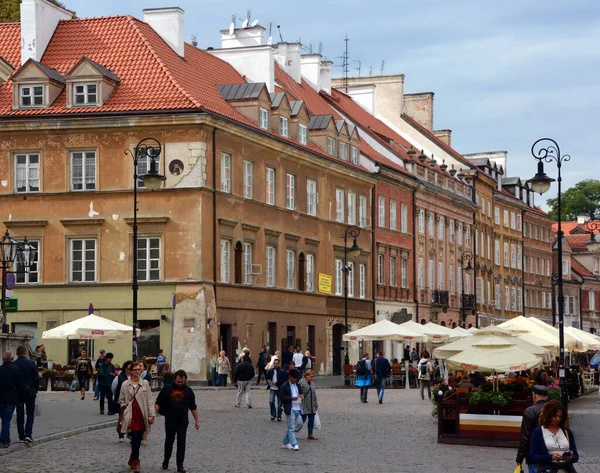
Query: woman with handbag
point(137, 411)
point(309, 403)
point(223, 369)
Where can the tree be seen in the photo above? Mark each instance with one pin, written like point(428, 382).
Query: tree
point(10, 10)
point(584, 197)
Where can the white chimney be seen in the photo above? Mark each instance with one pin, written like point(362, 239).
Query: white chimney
point(243, 37)
point(168, 23)
point(311, 70)
point(325, 76)
point(288, 56)
point(39, 19)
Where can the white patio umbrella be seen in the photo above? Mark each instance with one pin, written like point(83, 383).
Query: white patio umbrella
point(89, 327)
point(539, 329)
point(462, 332)
point(384, 330)
point(431, 333)
point(587, 341)
point(434, 331)
point(497, 358)
point(473, 329)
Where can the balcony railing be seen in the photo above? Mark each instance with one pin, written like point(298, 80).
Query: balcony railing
point(440, 298)
point(469, 301)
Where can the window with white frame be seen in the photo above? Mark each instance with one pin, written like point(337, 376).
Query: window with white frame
point(526, 298)
point(339, 205)
point(248, 177)
point(421, 221)
point(338, 277)
point(496, 216)
point(483, 245)
point(392, 214)
point(537, 232)
point(27, 173)
point(451, 278)
point(506, 260)
point(290, 191)
point(149, 259)
point(441, 228)
point(83, 260)
point(566, 268)
point(513, 222)
point(83, 170)
point(431, 225)
point(468, 235)
point(506, 297)
point(459, 281)
point(431, 280)
point(225, 172)
point(351, 208)
point(549, 300)
point(459, 236)
point(542, 261)
point(513, 299)
point(596, 264)
point(479, 290)
point(489, 292)
point(393, 270)
point(467, 282)
point(404, 218)
point(451, 230)
point(362, 281)
point(290, 267)
point(343, 149)
point(381, 211)
point(310, 272)
point(498, 296)
point(354, 154)
point(271, 264)
point(548, 268)
point(519, 256)
point(302, 134)
point(489, 208)
point(248, 263)
point(519, 222)
point(144, 160)
point(264, 118)
point(505, 222)
point(531, 268)
point(592, 301)
point(331, 146)
point(513, 256)
point(350, 279)
point(283, 126)
point(441, 276)
point(362, 211)
point(404, 272)
point(85, 94)
point(380, 269)
point(270, 186)
point(31, 275)
point(311, 197)
point(543, 299)
point(225, 260)
point(31, 95)
point(421, 274)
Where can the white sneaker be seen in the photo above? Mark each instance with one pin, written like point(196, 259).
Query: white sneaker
point(287, 445)
point(296, 447)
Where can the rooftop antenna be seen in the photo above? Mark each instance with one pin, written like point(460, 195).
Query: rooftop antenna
point(370, 71)
point(280, 35)
point(194, 41)
point(382, 66)
point(232, 25)
point(359, 66)
point(346, 63)
point(270, 38)
point(310, 50)
point(320, 48)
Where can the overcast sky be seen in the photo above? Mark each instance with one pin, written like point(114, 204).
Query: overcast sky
point(504, 72)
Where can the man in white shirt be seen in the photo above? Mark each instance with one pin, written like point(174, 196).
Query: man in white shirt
point(291, 397)
point(298, 359)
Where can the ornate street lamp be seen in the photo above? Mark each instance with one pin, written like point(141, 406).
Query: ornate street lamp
point(465, 257)
point(351, 232)
point(547, 150)
point(147, 150)
point(592, 223)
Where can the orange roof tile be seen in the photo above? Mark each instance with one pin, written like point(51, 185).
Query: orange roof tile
point(10, 43)
point(580, 269)
point(368, 151)
point(578, 242)
point(572, 228)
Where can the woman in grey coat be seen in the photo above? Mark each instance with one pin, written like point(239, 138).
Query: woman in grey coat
point(309, 403)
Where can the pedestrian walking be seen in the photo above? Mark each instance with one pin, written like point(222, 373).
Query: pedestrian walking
point(260, 365)
point(106, 375)
point(297, 359)
point(307, 362)
point(99, 362)
point(529, 422)
point(414, 357)
point(291, 398)
point(83, 371)
point(286, 357)
point(425, 371)
point(31, 382)
point(270, 363)
point(243, 375)
point(117, 383)
point(223, 369)
point(173, 402)
point(310, 405)
point(275, 378)
point(381, 369)
point(12, 392)
point(137, 412)
point(407, 352)
point(363, 377)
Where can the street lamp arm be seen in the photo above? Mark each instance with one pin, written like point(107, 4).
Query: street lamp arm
point(351, 232)
point(546, 149)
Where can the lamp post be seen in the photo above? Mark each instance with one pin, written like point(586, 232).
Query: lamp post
point(146, 152)
point(351, 232)
point(465, 257)
point(12, 252)
point(547, 150)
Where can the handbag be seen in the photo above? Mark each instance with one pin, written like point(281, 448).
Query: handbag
point(74, 386)
point(317, 423)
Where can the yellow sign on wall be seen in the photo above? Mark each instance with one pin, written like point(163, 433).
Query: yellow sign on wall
point(325, 281)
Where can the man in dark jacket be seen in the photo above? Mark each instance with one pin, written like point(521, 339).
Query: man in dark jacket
point(291, 398)
point(243, 375)
point(31, 382)
point(174, 401)
point(260, 365)
point(529, 423)
point(286, 357)
point(106, 375)
point(382, 369)
point(275, 378)
point(12, 392)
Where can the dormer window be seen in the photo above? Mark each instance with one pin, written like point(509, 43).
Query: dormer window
point(354, 155)
point(283, 126)
point(264, 119)
point(302, 134)
point(343, 151)
point(31, 95)
point(85, 94)
point(331, 146)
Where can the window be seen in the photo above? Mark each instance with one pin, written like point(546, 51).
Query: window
point(505, 254)
point(537, 232)
point(513, 299)
point(83, 170)
point(431, 225)
point(27, 173)
point(85, 94)
point(270, 197)
point(311, 197)
point(566, 268)
point(497, 252)
point(338, 277)
point(290, 261)
point(404, 218)
point(543, 300)
point(592, 301)
point(549, 300)
point(380, 269)
point(343, 151)
point(451, 230)
point(225, 258)
point(350, 279)
point(519, 257)
point(145, 157)
point(531, 269)
point(506, 218)
point(489, 292)
point(468, 235)
point(83, 260)
point(351, 208)
point(393, 271)
point(506, 297)
point(489, 208)
point(381, 211)
point(431, 281)
point(567, 306)
point(339, 205)
point(519, 222)
point(226, 172)
point(596, 264)
point(310, 273)
point(548, 268)
point(354, 155)
point(30, 276)
point(479, 290)
point(264, 119)
point(283, 126)
point(362, 288)
point(441, 275)
point(467, 283)
point(404, 272)
point(489, 247)
point(331, 146)
point(513, 224)
point(451, 275)
point(248, 170)
point(459, 238)
point(482, 244)
point(513, 256)
point(149, 259)
point(421, 221)
point(421, 274)
point(498, 296)
point(542, 272)
point(290, 191)
point(271, 266)
point(31, 96)
point(392, 214)
point(302, 134)
point(247, 263)
point(362, 211)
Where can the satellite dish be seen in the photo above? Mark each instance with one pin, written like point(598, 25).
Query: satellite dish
point(231, 28)
point(254, 23)
point(270, 40)
point(245, 23)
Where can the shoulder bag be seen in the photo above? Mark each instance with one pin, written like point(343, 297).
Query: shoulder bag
point(126, 414)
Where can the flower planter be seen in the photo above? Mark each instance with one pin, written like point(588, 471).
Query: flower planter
point(61, 382)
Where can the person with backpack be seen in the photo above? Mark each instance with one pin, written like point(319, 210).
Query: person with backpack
point(425, 371)
point(363, 376)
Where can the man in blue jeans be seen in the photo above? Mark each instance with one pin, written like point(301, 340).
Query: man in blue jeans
point(31, 381)
point(275, 378)
point(291, 398)
point(382, 369)
point(12, 392)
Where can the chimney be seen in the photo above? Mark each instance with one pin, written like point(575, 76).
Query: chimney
point(325, 76)
point(311, 70)
point(288, 56)
point(168, 23)
point(39, 19)
point(443, 135)
point(381, 96)
point(582, 219)
point(419, 107)
point(243, 37)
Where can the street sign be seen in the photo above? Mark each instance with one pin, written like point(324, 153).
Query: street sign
point(10, 280)
point(11, 305)
point(9, 293)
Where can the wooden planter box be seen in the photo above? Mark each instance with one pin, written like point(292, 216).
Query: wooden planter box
point(61, 383)
point(44, 382)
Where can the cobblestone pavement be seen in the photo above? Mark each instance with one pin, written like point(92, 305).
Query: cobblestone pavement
point(398, 436)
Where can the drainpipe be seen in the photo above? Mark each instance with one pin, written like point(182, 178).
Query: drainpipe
point(474, 246)
point(415, 255)
point(581, 307)
point(214, 210)
point(373, 253)
point(523, 260)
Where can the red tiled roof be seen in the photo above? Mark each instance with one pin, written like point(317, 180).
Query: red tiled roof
point(10, 43)
point(368, 151)
point(580, 269)
point(578, 242)
point(569, 228)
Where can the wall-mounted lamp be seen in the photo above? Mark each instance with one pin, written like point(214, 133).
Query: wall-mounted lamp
point(163, 317)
